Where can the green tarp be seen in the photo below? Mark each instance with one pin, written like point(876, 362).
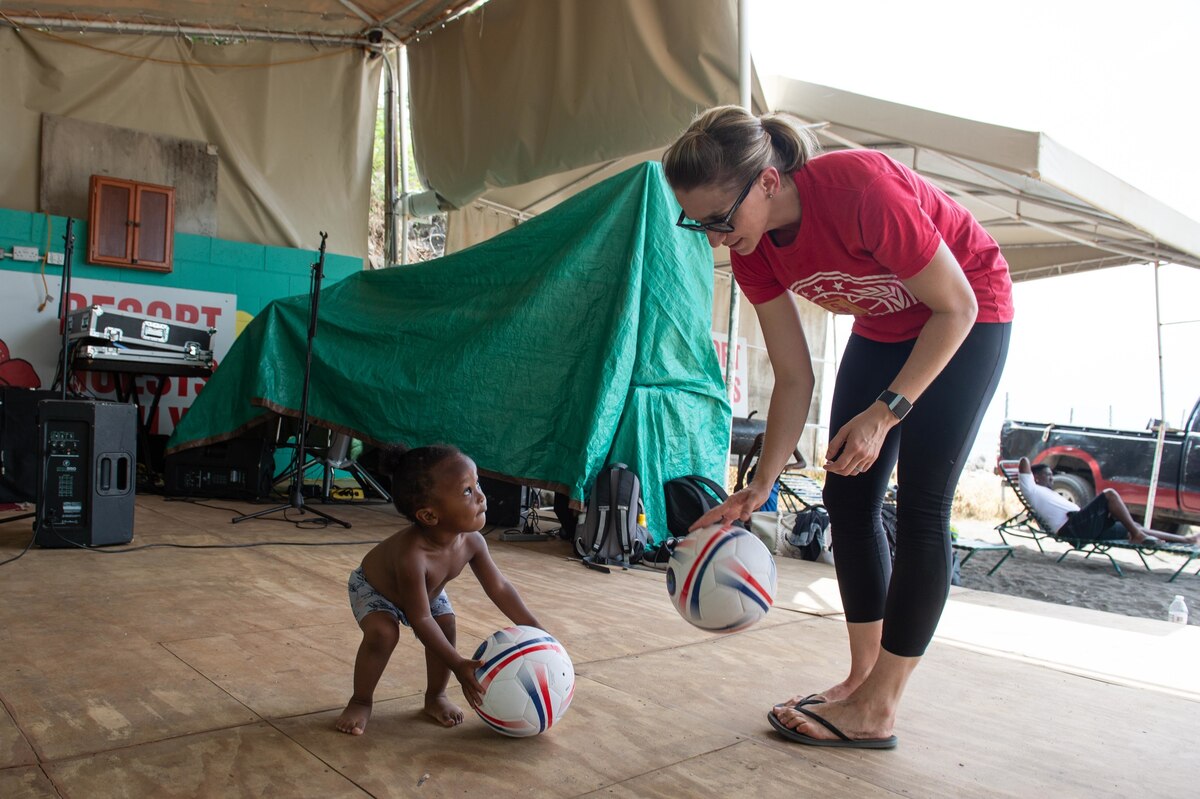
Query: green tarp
point(579, 338)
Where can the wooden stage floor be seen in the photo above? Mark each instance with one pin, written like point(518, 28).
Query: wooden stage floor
point(219, 672)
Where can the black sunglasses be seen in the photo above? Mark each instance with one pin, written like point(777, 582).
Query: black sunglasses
point(723, 225)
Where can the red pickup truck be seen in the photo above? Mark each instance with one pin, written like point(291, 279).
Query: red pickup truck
point(1089, 459)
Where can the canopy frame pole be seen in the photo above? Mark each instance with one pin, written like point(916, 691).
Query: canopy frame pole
point(143, 28)
point(389, 164)
point(1162, 405)
point(744, 99)
point(402, 57)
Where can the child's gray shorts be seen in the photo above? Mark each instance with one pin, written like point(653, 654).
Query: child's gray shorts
point(365, 599)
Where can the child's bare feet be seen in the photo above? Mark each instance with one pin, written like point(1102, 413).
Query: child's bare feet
point(354, 718)
point(442, 710)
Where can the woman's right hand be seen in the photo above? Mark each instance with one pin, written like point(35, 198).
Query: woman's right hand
point(464, 670)
point(739, 506)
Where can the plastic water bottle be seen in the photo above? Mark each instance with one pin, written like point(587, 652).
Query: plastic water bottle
point(1178, 612)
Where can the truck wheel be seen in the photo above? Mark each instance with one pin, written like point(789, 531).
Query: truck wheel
point(1074, 488)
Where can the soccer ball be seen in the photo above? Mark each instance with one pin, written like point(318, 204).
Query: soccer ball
point(721, 578)
point(528, 681)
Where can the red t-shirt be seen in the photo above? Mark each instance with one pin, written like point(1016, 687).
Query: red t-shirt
point(867, 223)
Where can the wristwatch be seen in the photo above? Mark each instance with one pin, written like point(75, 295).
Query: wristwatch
point(897, 404)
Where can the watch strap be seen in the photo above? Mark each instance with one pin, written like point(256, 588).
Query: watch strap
point(895, 403)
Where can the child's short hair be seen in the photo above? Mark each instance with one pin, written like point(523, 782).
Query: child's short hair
point(410, 470)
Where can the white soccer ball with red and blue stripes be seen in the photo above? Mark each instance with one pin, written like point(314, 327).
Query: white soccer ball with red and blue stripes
point(721, 578)
point(528, 681)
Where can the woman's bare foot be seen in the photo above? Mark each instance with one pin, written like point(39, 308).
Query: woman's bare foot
point(834, 694)
point(852, 718)
point(354, 718)
point(442, 710)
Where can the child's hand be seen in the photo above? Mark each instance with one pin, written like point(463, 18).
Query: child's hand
point(465, 672)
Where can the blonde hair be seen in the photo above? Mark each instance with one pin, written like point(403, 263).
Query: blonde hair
point(728, 145)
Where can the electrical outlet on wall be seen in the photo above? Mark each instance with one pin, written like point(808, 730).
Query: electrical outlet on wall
point(25, 253)
point(55, 258)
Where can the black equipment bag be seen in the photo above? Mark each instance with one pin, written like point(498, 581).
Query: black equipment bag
point(688, 498)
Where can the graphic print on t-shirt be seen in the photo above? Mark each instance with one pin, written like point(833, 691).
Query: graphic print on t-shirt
point(870, 295)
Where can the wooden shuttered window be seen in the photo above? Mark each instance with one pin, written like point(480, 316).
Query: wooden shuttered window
point(130, 223)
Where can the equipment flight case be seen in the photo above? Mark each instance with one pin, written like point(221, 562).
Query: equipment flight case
point(130, 329)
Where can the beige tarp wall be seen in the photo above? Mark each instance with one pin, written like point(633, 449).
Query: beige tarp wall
point(503, 96)
point(293, 132)
point(468, 226)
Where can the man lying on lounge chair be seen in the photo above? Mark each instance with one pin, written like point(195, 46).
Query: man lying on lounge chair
point(1105, 518)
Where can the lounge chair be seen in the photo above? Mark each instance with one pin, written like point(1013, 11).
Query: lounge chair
point(1027, 524)
point(797, 491)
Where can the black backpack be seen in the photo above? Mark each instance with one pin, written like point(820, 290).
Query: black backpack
point(688, 498)
point(610, 532)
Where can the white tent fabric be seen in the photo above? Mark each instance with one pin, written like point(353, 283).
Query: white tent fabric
point(293, 126)
point(1052, 211)
point(505, 96)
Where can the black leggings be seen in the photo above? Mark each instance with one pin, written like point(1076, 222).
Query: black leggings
point(930, 446)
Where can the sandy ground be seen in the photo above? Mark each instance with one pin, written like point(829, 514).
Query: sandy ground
point(1087, 583)
point(981, 503)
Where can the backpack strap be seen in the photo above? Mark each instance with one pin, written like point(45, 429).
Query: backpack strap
point(623, 482)
point(603, 488)
point(718, 490)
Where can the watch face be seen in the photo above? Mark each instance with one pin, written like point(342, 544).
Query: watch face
point(896, 403)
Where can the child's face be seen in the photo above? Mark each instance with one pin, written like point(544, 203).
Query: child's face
point(457, 499)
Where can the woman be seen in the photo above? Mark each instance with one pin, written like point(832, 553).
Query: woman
point(856, 232)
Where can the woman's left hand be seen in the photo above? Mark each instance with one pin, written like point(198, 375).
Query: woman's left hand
point(856, 446)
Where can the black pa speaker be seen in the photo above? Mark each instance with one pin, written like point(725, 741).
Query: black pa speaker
point(87, 456)
point(508, 503)
point(19, 442)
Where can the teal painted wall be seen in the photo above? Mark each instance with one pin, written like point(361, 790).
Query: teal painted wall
point(256, 273)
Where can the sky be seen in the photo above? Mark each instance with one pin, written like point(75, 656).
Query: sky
point(1114, 82)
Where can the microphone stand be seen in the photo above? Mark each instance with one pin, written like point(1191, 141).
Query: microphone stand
point(296, 489)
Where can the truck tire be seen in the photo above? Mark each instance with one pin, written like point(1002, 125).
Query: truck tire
point(1074, 488)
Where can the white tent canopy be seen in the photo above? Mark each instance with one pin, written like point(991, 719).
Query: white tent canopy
point(1052, 211)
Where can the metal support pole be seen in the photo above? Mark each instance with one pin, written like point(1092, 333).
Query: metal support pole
point(402, 57)
point(744, 99)
point(1162, 405)
point(389, 162)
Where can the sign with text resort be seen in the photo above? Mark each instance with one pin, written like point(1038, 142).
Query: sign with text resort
point(738, 400)
point(30, 337)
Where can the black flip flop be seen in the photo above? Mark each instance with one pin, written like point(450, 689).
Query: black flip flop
point(842, 740)
point(811, 699)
